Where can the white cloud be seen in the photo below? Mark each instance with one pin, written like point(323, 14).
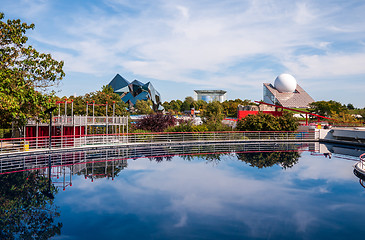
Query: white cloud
point(327, 66)
point(203, 42)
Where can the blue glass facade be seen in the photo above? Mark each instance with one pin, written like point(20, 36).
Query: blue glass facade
point(131, 92)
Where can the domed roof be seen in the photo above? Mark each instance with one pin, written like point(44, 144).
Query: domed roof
point(285, 83)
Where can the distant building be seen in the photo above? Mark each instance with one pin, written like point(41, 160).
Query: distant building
point(130, 93)
point(211, 95)
point(286, 92)
point(244, 111)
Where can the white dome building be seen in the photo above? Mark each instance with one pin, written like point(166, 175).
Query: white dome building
point(285, 83)
point(286, 92)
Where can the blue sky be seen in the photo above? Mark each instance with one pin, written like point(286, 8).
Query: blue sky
point(234, 45)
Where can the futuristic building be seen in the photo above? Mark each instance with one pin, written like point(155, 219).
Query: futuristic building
point(134, 91)
point(286, 92)
point(210, 95)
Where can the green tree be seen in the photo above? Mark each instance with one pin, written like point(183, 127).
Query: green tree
point(175, 105)
point(201, 105)
point(344, 117)
point(326, 108)
point(166, 106)
point(267, 122)
point(230, 106)
point(100, 99)
point(350, 106)
point(188, 104)
point(26, 75)
point(143, 107)
point(213, 115)
point(105, 96)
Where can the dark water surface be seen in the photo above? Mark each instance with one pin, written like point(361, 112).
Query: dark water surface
point(260, 192)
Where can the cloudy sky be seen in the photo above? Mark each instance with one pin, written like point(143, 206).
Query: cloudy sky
point(234, 45)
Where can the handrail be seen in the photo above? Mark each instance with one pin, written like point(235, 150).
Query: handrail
point(16, 145)
point(39, 160)
point(149, 133)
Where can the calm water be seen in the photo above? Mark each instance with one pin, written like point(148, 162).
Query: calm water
point(287, 191)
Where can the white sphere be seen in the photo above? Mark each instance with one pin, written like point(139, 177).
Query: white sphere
point(285, 83)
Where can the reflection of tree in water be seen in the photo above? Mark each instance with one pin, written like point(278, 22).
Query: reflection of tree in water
point(214, 158)
point(268, 159)
point(26, 211)
point(161, 158)
point(106, 169)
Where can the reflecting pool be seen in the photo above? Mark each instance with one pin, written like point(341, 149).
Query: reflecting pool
point(245, 191)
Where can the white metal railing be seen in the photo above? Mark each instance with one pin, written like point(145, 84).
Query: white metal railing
point(85, 120)
point(41, 143)
point(78, 159)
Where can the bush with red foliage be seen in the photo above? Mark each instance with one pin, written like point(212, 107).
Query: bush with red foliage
point(156, 122)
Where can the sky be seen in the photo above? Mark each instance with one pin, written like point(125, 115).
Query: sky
point(187, 45)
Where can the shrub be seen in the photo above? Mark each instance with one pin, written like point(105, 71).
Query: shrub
point(139, 131)
point(156, 122)
point(267, 122)
point(184, 126)
point(199, 128)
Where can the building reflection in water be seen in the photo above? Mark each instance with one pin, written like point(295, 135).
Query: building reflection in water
point(97, 163)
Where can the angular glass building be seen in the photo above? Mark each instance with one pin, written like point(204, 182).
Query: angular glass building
point(131, 92)
point(211, 95)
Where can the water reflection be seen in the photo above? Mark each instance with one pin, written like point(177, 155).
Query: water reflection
point(108, 163)
point(197, 191)
point(27, 211)
point(268, 159)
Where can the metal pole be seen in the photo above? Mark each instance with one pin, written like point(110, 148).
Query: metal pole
point(106, 114)
point(87, 111)
point(106, 109)
point(306, 119)
point(113, 122)
point(93, 111)
point(50, 130)
point(65, 107)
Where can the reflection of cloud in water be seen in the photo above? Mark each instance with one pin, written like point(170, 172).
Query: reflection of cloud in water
point(303, 219)
point(314, 167)
point(184, 189)
point(182, 221)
